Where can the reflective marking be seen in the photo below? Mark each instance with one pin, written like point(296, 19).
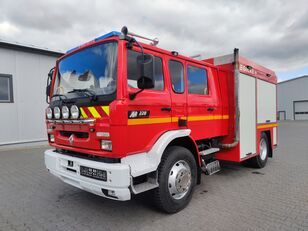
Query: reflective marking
point(94, 113)
point(175, 119)
point(149, 121)
point(106, 109)
point(83, 114)
point(267, 126)
point(208, 117)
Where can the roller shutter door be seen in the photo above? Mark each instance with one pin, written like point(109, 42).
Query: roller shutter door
point(301, 110)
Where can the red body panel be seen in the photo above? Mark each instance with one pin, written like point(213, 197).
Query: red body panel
point(257, 71)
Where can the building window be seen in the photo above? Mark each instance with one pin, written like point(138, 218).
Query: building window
point(6, 89)
point(197, 80)
point(176, 76)
point(132, 71)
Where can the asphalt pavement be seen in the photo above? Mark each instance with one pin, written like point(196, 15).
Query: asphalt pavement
point(236, 198)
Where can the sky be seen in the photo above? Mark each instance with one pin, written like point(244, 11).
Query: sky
point(273, 33)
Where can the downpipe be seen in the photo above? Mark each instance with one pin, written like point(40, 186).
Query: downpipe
point(237, 110)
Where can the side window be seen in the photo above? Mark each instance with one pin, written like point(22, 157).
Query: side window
point(132, 72)
point(6, 89)
point(197, 80)
point(176, 76)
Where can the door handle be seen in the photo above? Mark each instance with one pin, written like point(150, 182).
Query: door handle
point(210, 109)
point(166, 108)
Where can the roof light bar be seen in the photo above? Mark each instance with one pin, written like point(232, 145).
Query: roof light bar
point(195, 56)
point(125, 32)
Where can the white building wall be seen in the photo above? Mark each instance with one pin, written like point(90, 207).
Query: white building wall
point(290, 91)
point(23, 120)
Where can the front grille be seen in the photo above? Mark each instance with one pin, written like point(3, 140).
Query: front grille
point(89, 157)
point(76, 134)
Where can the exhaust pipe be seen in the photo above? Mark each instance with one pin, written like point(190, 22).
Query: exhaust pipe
point(237, 110)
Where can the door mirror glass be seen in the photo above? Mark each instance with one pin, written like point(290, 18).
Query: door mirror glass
point(47, 90)
point(48, 85)
point(146, 71)
point(145, 83)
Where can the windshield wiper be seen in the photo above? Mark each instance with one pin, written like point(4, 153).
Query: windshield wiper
point(87, 92)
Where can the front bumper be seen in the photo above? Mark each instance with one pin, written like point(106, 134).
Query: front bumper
point(118, 175)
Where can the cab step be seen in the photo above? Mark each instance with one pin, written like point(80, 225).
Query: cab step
point(139, 188)
point(210, 168)
point(209, 151)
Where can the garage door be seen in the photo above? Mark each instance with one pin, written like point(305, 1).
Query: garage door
point(301, 110)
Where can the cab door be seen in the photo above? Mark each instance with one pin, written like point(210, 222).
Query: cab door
point(149, 114)
point(178, 93)
point(204, 109)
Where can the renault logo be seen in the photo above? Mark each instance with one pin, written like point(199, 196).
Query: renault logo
point(71, 139)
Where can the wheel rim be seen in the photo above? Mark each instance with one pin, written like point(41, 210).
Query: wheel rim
point(263, 149)
point(179, 180)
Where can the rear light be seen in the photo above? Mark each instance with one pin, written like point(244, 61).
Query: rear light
point(65, 112)
point(57, 112)
point(49, 113)
point(106, 145)
point(74, 112)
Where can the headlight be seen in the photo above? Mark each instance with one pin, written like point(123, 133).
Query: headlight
point(57, 113)
point(65, 112)
point(106, 145)
point(74, 112)
point(49, 113)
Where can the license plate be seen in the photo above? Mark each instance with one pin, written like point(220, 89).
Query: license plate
point(93, 173)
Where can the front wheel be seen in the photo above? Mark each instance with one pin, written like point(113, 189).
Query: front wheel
point(177, 177)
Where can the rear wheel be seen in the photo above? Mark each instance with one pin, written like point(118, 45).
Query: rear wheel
point(260, 160)
point(177, 177)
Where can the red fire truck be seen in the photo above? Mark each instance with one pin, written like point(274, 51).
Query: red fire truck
point(126, 117)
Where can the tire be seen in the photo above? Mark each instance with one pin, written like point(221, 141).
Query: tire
point(260, 160)
point(177, 177)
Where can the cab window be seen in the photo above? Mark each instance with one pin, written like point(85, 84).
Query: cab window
point(197, 80)
point(177, 76)
point(132, 71)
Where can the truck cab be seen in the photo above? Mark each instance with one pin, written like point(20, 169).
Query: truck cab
point(126, 117)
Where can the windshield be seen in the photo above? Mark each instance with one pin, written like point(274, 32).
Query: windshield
point(94, 68)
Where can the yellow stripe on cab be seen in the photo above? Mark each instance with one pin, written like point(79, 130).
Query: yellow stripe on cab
point(175, 119)
point(94, 112)
point(106, 109)
point(83, 114)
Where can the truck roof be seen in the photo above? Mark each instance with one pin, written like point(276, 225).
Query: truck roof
point(147, 46)
point(246, 66)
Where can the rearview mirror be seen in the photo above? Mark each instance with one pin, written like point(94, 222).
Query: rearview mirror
point(47, 90)
point(48, 85)
point(146, 71)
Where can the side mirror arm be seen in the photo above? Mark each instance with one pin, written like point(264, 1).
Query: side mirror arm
point(132, 96)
